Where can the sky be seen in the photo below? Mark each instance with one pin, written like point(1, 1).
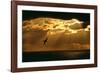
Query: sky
point(62, 31)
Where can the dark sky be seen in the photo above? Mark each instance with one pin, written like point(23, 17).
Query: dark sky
point(61, 15)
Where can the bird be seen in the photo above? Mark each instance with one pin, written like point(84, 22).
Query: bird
point(45, 41)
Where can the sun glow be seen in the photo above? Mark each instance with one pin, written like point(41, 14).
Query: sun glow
point(54, 25)
point(60, 34)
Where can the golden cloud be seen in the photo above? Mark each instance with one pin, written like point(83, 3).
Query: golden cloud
point(61, 34)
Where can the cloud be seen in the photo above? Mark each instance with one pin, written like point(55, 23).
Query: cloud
point(61, 34)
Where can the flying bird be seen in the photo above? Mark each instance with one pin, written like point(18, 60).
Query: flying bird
point(45, 41)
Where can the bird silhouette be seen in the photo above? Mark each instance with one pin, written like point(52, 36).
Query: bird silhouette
point(45, 41)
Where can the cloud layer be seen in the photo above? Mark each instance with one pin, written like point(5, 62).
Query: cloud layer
point(61, 34)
